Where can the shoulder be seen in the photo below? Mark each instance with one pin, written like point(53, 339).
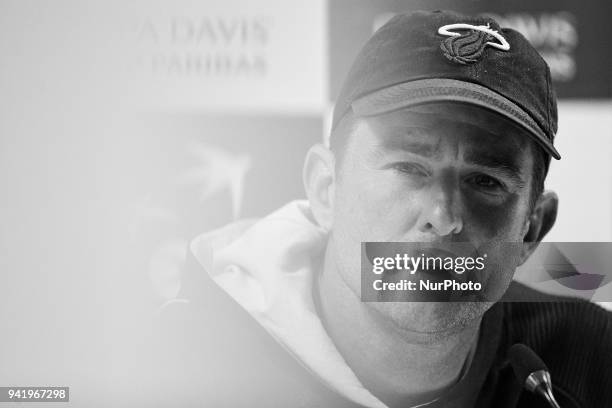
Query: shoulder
point(209, 350)
point(572, 336)
point(529, 309)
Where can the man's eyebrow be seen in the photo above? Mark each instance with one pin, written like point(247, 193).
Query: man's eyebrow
point(397, 140)
point(505, 164)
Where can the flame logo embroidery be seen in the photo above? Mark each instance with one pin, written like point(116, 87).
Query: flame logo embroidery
point(468, 46)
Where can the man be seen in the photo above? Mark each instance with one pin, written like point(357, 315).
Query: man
point(442, 134)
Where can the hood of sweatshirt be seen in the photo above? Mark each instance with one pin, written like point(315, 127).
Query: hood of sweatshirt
point(268, 267)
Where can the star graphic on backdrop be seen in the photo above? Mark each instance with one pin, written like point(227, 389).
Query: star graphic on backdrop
point(217, 170)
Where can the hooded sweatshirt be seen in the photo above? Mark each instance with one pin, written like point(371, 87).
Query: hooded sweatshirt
point(245, 331)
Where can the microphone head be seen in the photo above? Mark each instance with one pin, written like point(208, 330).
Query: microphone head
point(525, 361)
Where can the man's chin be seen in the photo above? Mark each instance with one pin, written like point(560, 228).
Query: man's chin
point(430, 320)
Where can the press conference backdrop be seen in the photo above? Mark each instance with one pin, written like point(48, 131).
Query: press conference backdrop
point(127, 129)
point(287, 59)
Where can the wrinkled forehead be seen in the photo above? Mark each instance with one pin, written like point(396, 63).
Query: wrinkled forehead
point(427, 127)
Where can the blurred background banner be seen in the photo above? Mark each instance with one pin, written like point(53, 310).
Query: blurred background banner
point(571, 35)
point(231, 55)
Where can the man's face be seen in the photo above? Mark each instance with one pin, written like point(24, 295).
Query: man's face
point(439, 173)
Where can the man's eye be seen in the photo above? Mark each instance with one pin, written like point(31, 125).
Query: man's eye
point(484, 182)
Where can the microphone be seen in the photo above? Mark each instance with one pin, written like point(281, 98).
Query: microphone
point(532, 372)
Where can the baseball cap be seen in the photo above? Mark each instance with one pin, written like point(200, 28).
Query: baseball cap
point(424, 57)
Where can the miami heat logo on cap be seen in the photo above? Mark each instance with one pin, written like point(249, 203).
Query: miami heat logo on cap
point(467, 42)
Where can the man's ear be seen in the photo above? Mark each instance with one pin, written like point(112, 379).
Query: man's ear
point(319, 178)
point(540, 221)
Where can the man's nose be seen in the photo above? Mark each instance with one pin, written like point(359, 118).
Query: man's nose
point(441, 211)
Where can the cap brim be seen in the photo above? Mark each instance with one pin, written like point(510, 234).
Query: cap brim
point(441, 89)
